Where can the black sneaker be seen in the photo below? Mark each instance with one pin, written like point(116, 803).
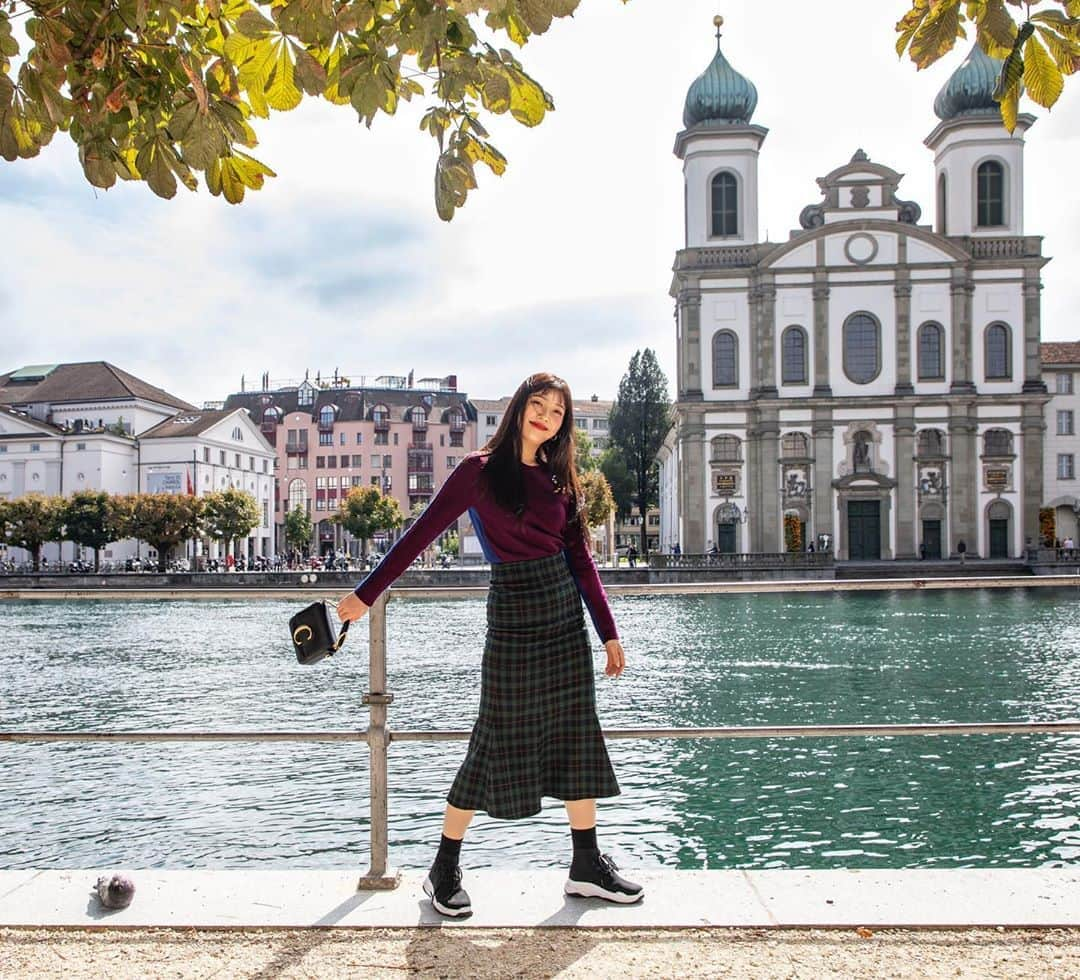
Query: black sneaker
point(443, 886)
point(594, 875)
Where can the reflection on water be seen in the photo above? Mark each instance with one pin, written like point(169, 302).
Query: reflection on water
point(820, 658)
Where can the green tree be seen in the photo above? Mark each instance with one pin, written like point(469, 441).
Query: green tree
point(583, 457)
point(297, 528)
point(1038, 49)
point(31, 520)
point(620, 479)
point(366, 511)
point(163, 520)
point(89, 521)
point(160, 90)
point(640, 418)
point(229, 514)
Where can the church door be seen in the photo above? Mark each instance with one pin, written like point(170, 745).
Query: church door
point(864, 530)
point(999, 538)
point(931, 539)
point(725, 539)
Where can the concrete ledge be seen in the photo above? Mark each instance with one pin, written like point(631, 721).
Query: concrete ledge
point(1012, 898)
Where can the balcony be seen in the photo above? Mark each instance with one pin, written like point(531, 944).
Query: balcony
point(419, 423)
point(326, 424)
point(293, 447)
point(382, 421)
point(457, 425)
point(421, 458)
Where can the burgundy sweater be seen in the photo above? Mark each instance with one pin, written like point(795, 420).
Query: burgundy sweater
point(541, 531)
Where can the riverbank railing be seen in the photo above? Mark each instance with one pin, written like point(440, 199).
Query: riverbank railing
point(378, 736)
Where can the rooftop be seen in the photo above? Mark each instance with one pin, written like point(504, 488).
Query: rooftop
point(186, 424)
point(80, 382)
point(1060, 352)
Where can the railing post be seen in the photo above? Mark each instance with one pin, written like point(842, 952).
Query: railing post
point(378, 876)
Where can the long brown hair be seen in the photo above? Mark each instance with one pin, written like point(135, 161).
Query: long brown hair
point(556, 455)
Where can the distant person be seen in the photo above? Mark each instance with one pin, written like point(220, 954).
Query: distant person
point(961, 550)
point(677, 550)
point(537, 734)
point(1068, 543)
point(810, 548)
point(631, 556)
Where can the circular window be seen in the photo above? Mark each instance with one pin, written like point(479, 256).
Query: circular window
point(861, 248)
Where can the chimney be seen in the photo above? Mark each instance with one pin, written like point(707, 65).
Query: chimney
point(451, 382)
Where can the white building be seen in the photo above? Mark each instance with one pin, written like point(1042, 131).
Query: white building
point(200, 452)
point(1061, 368)
point(93, 426)
point(872, 383)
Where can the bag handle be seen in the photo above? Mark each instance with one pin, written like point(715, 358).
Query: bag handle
point(344, 627)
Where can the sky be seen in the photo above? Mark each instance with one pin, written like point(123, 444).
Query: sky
point(563, 264)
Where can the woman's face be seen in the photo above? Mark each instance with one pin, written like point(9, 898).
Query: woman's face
point(543, 417)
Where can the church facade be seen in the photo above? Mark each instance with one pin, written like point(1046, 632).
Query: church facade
point(873, 385)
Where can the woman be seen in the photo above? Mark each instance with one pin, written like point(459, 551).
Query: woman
point(537, 733)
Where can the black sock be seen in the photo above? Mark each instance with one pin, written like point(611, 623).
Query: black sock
point(449, 850)
point(584, 840)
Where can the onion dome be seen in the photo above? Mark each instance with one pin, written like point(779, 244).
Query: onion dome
point(720, 93)
point(970, 89)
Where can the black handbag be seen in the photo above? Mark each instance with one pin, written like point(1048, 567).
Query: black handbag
point(313, 632)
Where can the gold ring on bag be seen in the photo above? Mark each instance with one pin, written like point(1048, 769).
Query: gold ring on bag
point(298, 639)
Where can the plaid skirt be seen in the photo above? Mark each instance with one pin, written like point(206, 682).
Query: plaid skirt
point(537, 733)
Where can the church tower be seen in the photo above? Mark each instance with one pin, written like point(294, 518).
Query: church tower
point(719, 149)
point(979, 165)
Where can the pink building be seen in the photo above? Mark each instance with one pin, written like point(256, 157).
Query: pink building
point(330, 436)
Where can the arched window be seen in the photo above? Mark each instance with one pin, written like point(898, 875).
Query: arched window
point(270, 416)
point(942, 205)
point(931, 354)
point(862, 348)
point(998, 366)
point(725, 360)
point(237, 434)
point(997, 442)
point(306, 394)
point(793, 356)
point(726, 449)
point(990, 194)
point(298, 495)
point(326, 415)
point(725, 205)
point(795, 445)
point(931, 443)
point(380, 415)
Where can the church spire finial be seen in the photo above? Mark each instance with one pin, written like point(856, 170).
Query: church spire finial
point(718, 22)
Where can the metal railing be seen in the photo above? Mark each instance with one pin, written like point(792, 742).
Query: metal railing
point(378, 736)
point(770, 559)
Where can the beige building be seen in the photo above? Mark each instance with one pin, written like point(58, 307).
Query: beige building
point(1061, 370)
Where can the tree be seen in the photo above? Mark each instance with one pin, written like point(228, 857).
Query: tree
point(620, 479)
point(297, 528)
point(163, 520)
point(230, 514)
point(583, 457)
point(160, 90)
point(89, 521)
point(599, 503)
point(31, 520)
point(640, 419)
point(367, 510)
point(1037, 52)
